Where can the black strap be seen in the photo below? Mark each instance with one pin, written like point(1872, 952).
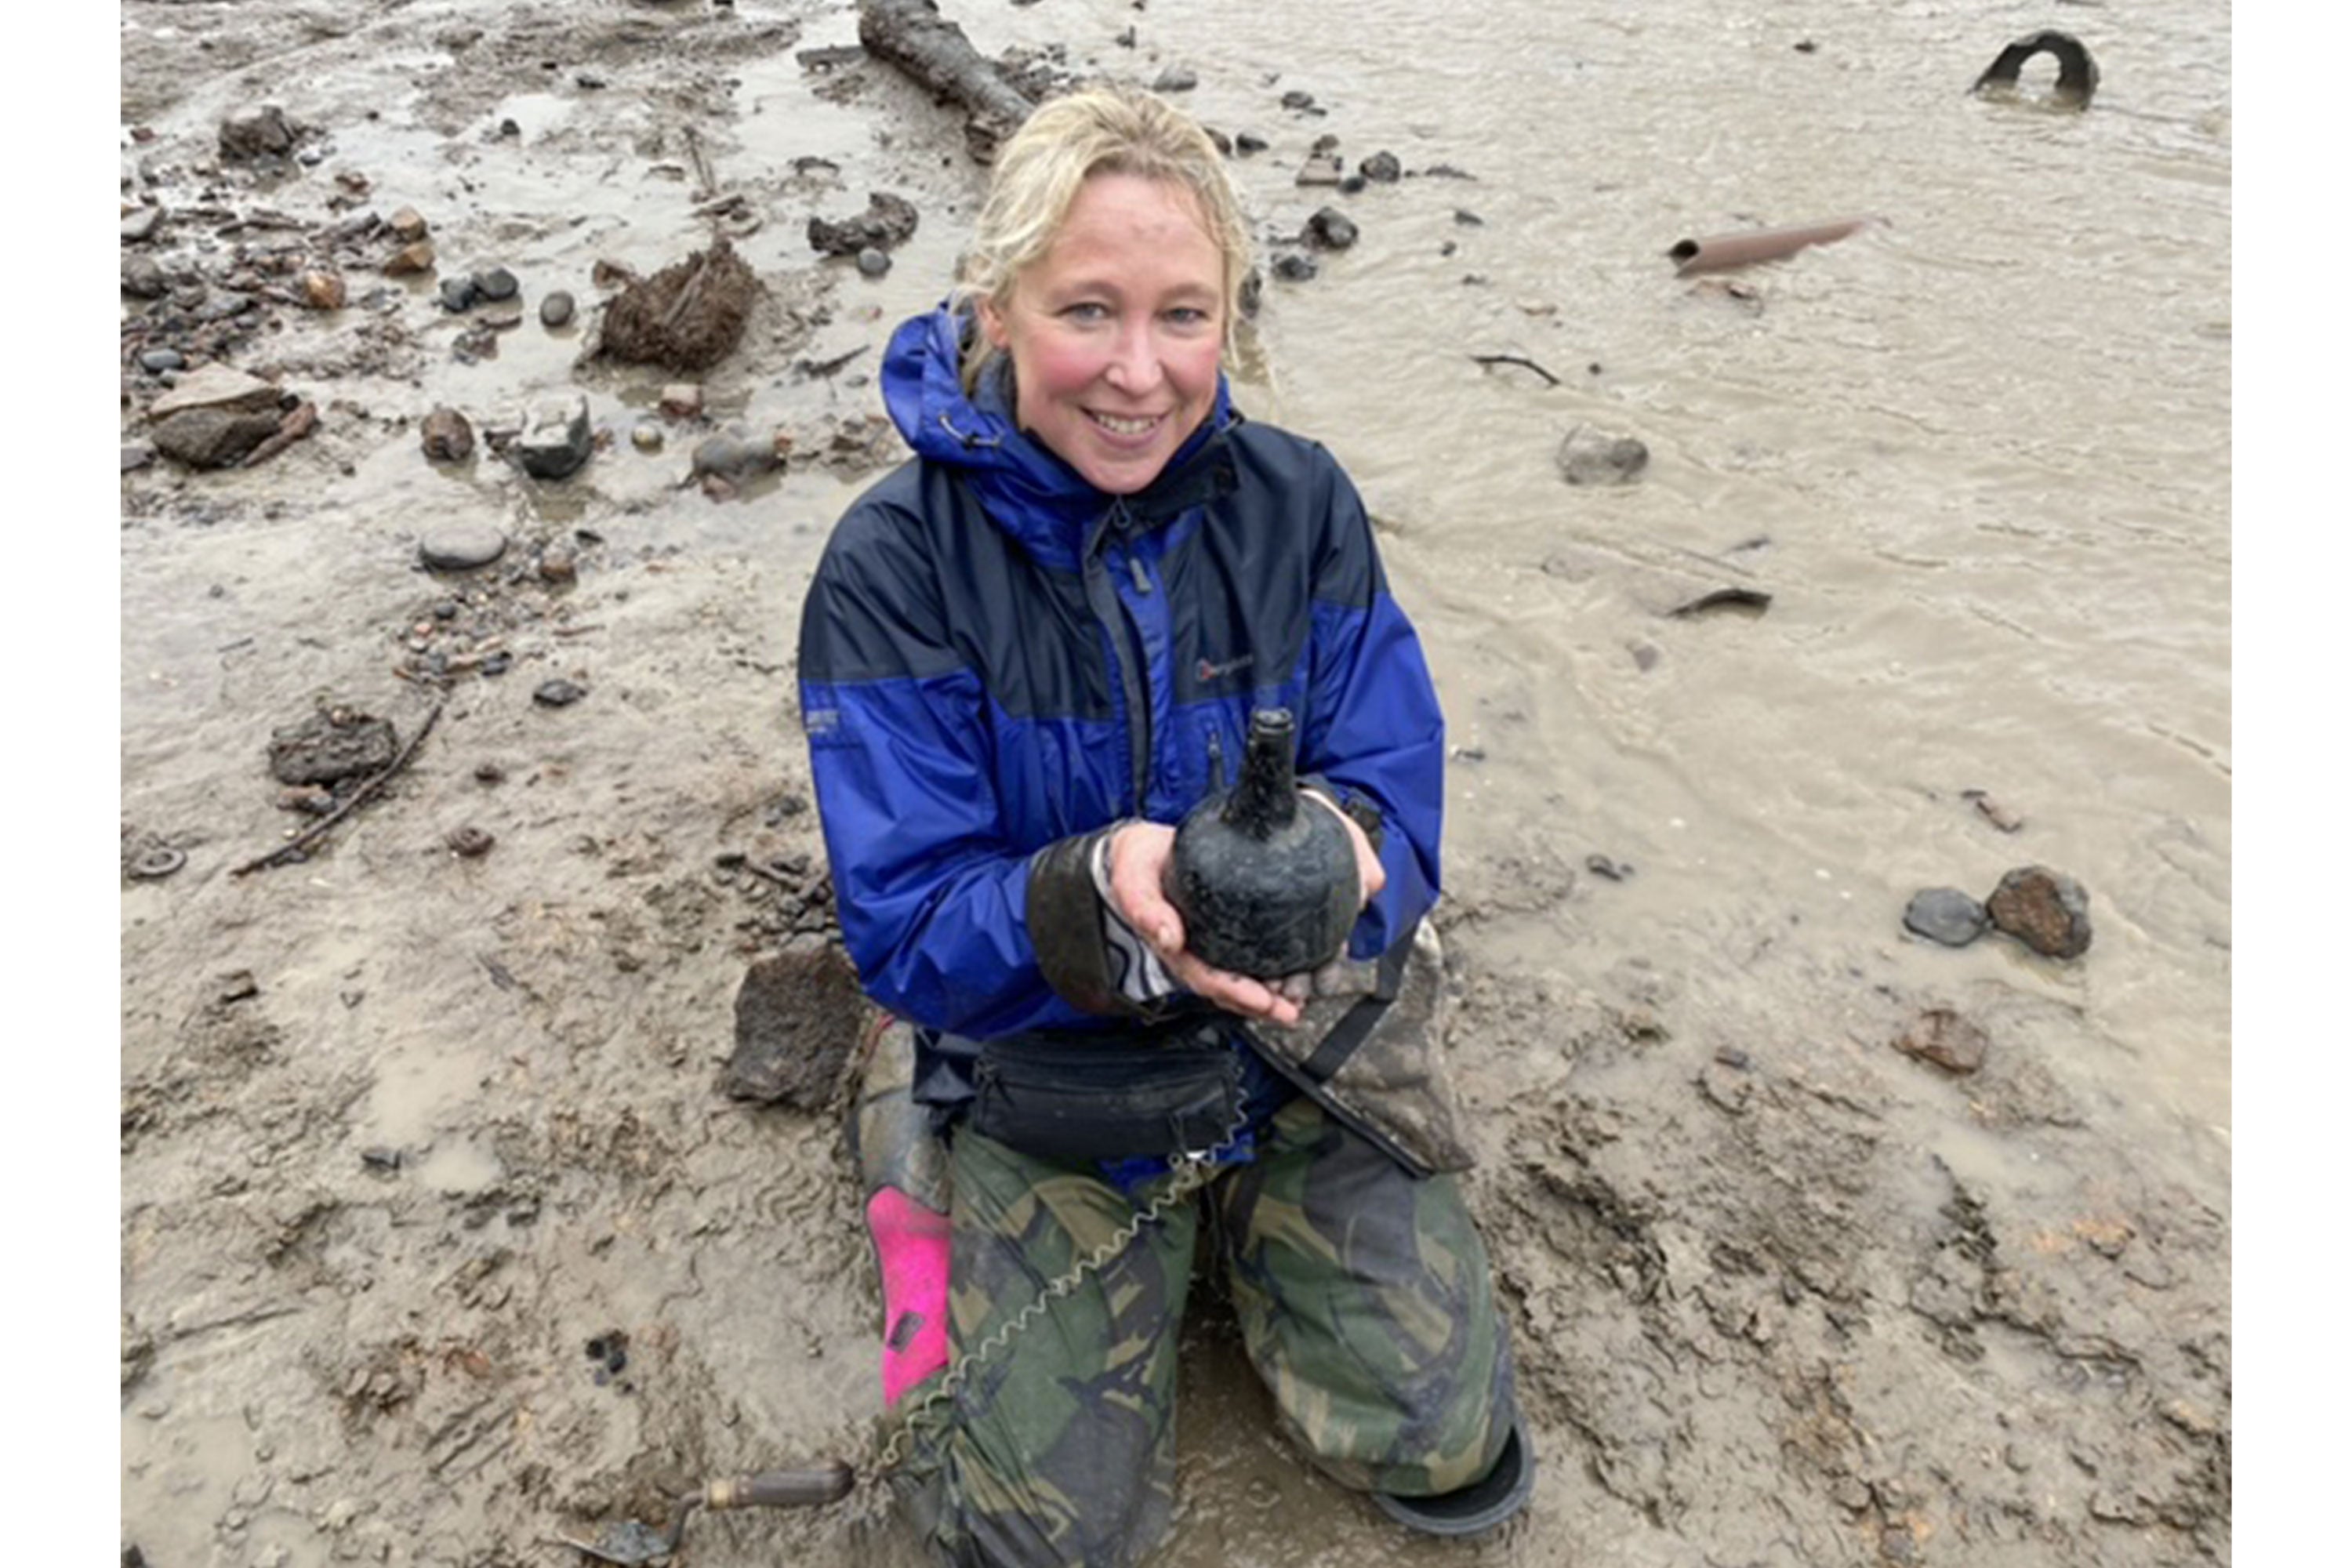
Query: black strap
point(1355, 1025)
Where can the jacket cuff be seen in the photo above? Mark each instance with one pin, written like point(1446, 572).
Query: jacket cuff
point(1086, 953)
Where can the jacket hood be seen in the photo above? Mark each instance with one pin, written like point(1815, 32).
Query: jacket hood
point(1027, 489)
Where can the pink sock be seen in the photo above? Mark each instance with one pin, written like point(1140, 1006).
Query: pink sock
point(911, 1244)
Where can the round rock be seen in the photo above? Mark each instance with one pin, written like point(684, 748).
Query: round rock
point(1331, 228)
point(555, 309)
point(2045, 910)
point(1946, 915)
point(461, 546)
point(498, 283)
point(646, 436)
point(873, 262)
point(160, 360)
point(458, 293)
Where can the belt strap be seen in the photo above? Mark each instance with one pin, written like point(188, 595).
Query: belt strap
point(1355, 1025)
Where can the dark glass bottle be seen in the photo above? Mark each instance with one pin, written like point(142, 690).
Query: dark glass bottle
point(1266, 884)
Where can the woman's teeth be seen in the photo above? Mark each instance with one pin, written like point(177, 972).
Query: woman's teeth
point(1123, 426)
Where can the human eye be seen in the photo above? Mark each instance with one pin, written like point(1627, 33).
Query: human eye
point(1189, 316)
point(1086, 311)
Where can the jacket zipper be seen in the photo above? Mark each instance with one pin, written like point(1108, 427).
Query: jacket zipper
point(1134, 679)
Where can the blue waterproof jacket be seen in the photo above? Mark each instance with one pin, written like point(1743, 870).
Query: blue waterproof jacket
point(998, 662)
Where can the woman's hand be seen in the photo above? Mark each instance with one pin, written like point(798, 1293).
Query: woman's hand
point(1138, 859)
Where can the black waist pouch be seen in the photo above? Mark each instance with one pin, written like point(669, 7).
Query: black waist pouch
point(1073, 1099)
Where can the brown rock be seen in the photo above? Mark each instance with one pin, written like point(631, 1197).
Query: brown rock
point(408, 225)
point(558, 565)
point(682, 400)
point(331, 744)
point(212, 438)
point(796, 1019)
point(2045, 910)
point(1942, 1036)
point(448, 438)
point(322, 290)
point(415, 257)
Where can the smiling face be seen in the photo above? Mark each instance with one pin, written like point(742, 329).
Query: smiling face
point(1115, 331)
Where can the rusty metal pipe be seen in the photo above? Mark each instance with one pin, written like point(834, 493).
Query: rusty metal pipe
point(1723, 251)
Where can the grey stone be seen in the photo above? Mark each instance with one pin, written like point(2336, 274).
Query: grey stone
point(1176, 78)
point(461, 546)
point(216, 386)
point(141, 224)
point(558, 693)
point(136, 455)
point(1946, 915)
point(729, 455)
point(1321, 170)
point(872, 262)
point(1248, 141)
point(143, 277)
point(257, 133)
point(212, 438)
point(555, 309)
point(328, 747)
point(1589, 456)
point(1330, 229)
point(556, 440)
point(2047, 911)
point(458, 293)
point(1293, 269)
point(498, 283)
point(1382, 168)
point(158, 361)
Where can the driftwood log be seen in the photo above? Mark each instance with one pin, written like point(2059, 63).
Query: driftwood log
point(912, 36)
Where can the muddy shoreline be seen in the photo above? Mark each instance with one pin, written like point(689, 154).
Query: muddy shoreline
point(407, 1127)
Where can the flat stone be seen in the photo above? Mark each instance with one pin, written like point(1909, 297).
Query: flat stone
point(1176, 78)
point(157, 360)
point(1322, 170)
point(218, 386)
point(136, 455)
point(728, 456)
point(2047, 911)
point(212, 438)
point(141, 224)
point(556, 440)
point(1942, 1036)
point(558, 693)
point(555, 309)
point(461, 546)
point(329, 746)
point(1946, 915)
point(498, 283)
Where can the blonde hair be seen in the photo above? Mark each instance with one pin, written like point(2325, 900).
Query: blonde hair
point(1063, 143)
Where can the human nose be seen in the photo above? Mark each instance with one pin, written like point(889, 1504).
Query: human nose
point(1135, 359)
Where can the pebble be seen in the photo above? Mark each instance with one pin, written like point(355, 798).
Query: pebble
point(1321, 170)
point(216, 386)
point(647, 435)
point(160, 360)
point(141, 222)
point(556, 440)
point(555, 309)
point(1297, 98)
point(470, 842)
point(212, 438)
point(1248, 141)
point(1946, 915)
point(2045, 910)
point(407, 225)
point(733, 456)
point(136, 455)
point(558, 565)
point(1590, 456)
point(324, 290)
point(682, 400)
point(558, 693)
point(1293, 269)
point(1331, 228)
point(873, 262)
point(498, 283)
point(415, 257)
point(143, 277)
point(1942, 1036)
point(1176, 78)
point(256, 133)
point(448, 438)
point(461, 546)
point(1383, 168)
point(458, 293)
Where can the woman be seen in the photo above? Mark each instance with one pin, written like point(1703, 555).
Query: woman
point(1026, 653)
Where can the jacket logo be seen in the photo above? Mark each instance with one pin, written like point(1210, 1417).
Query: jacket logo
point(1204, 672)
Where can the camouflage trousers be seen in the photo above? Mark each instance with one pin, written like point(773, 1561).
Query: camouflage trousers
point(1365, 1303)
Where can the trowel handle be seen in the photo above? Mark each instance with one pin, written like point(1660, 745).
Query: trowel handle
point(807, 1487)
